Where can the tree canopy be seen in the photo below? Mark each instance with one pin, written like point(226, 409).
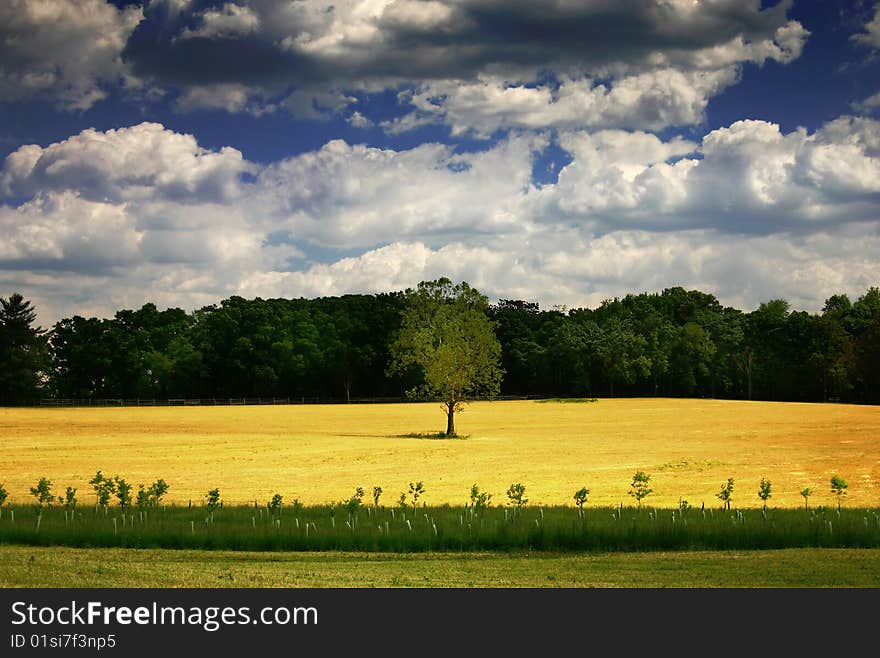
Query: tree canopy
point(675, 342)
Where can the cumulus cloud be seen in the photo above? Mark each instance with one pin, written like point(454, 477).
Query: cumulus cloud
point(144, 213)
point(67, 51)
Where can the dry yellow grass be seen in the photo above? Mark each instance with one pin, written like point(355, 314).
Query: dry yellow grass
point(321, 453)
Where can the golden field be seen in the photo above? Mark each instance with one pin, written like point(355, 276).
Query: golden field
point(319, 454)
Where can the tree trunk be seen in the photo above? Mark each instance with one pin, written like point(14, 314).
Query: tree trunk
point(450, 419)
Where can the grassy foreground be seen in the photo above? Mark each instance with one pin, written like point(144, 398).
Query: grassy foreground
point(319, 454)
point(22, 566)
point(427, 529)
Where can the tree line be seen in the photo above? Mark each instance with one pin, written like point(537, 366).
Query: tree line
point(673, 343)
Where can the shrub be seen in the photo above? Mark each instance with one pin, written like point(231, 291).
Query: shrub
point(3, 495)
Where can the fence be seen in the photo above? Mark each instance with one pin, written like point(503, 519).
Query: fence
point(196, 402)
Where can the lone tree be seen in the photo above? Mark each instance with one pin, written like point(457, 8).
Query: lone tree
point(446, 333)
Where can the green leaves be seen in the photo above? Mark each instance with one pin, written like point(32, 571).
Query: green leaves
point(447, 335)
point(726, 492)
point(639, 488)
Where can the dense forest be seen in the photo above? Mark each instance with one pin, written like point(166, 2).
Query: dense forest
point(673, 343)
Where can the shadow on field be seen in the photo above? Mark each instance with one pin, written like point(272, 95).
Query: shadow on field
point(430, 436)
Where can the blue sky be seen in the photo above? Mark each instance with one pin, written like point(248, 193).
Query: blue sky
point(181, 151)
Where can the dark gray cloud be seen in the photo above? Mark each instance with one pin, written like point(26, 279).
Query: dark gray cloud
point(283, 44)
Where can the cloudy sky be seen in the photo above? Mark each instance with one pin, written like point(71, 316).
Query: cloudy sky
point(558, 151)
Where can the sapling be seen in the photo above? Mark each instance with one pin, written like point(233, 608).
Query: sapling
point(212, 500)
point(580, 499)
point(69, 500)
point(806, 492)
point(401, 502)
point(764, 492)
point(274, 505)
point(415, 491)
point(3, 496)
point(156, 490)
point(726, 492)
point(838, 488)
point(377, 493)
point(480, 500)
point(142, 499)
point(104, 488)
point(123, 492)
point(42, 492)
point(639, 487)
point(516, 494)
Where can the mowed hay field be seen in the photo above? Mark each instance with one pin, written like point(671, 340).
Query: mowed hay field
point(319, 454)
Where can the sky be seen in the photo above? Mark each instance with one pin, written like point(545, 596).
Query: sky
point(557, 151)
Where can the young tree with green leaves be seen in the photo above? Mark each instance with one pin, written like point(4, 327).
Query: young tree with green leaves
point(123, 492)
point(377, 493)
point(838, 488)
point(415, 490)
point(104, 488)
point(580, 499)
point(42, 491)
point(212, 500)
point(726, 493)
point(447, 335)
point(68, 499)
point(764, 491)
point(480, 500)
point(156, 490)
point(640, 488)
point(516, 493)
point(3, 495)
point(806, 492)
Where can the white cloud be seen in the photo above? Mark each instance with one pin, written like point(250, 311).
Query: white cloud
point(871, 36)
point(867, 105)
point(228, 21)
point(670, 89)
point(126, 164)
point(142, 213)
point(63, 50)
